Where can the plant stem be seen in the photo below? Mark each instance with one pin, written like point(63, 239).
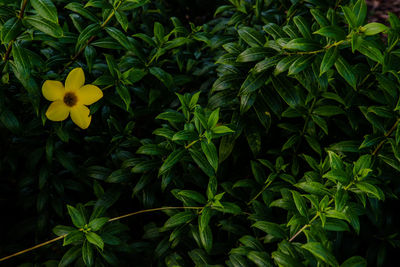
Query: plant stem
point(32, 248)
point(387, 134)
point(110, 220)
point(75, 57)
point(259, 193)
point(20, 16)
point(316, 215)
point(317, 51)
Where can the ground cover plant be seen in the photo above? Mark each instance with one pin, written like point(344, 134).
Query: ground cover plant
point(198, 133)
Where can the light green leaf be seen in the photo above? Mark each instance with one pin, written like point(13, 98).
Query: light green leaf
point(321, 253)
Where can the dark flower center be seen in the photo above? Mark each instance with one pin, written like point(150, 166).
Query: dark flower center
point(70, 99)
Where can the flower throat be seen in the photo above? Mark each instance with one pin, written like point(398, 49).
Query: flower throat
point(70, 99)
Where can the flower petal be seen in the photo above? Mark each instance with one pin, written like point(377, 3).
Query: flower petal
point(75, 79)
point(53, 90)
point(57, 111)
point(89, 94)
point(80, 116)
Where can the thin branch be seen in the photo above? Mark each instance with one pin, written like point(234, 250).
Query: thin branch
point(75, 57)
point(34, 247)
point(20, 16)
point(389, 133)
point(110, 220)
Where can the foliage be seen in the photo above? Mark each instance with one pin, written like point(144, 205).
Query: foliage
point(275, 122)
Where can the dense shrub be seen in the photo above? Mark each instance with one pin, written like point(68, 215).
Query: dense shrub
point(242, 132)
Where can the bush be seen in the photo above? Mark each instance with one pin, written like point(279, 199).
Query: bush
point(264, 134)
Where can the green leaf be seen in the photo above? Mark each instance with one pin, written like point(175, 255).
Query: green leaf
point(118, 176)
point(171, 116)
point(328, 111)
point(78, 8)
point(204, 218)
point(302, 44)
point(355, 261)
point(87, 33)
point(211, 154)
point(213, 119)
point(10, 30)
point(350, 16)
point(45, 26)
point(346, 72)
point(202, 162)
point(196, 196)
point(320, 252)
point(77, 218)
point(179, 218)
point(159, 32)
point(364, 162)
point(10, 121)
point(299, 202)
point(300, 64)
point(171, 160)
point(163, 76)
point(260, 258)
point(274, 30)
point(222, 130)
point(333, 32)
point(123, 92)
point(45, 9)
point(271, 228)
point(360, 12)
point(284, 64)
point(70, 256)
point(253, 82)
point(321, 123)
point(206, 238)
point(72, 237)
point(320, 17)
point(253, 54)
point(314, 188)
point(95, 239)
point(122, 19)
point(283, 259)
point(303, 26)
point(371, 51)
point(265, 64)
point(251, 36)
point(370, 189)
point(345, 146)
point(287, 91)
point(185, 135)
point(123, 40)
point(97, 223)
point(328, 60)
point(373, 28)
point(337, 175)
point(87, 254)
point(62, 230)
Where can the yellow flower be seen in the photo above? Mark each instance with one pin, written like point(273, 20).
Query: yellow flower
point(73, 99)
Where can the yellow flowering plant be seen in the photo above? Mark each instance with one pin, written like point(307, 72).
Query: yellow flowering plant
point(73, 98)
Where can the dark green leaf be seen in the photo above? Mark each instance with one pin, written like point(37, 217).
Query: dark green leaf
point(95, 239)
point(77, 218)
point(46, 9)
point(321, 253)
point(171, 160)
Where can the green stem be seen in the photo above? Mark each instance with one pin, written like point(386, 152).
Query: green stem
point(316, 215)
point(387, 134)
point(75, 57)
point(259, 193)
point(110, 220)
point(20, 16)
